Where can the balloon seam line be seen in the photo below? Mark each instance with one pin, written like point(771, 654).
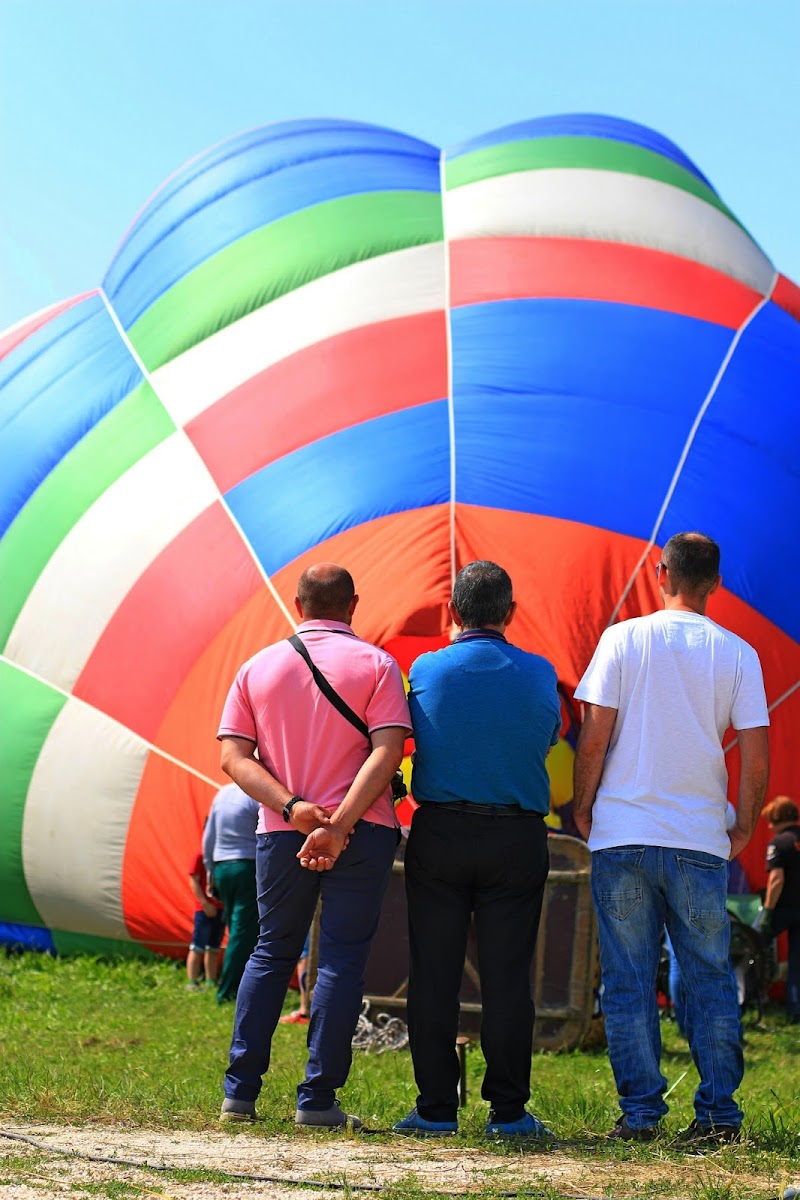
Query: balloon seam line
point(770, 709)
point(87, 704)
point(182, 432)
point(451, 416)
point(673, 484)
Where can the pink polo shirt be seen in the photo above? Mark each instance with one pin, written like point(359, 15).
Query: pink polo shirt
point(302, 740)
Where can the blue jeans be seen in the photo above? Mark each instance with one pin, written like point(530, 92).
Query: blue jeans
point(287, 896)
point(637, 890)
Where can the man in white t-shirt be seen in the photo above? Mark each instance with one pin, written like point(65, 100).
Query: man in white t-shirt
point(650, 798)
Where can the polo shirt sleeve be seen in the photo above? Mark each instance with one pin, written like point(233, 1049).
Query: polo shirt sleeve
point(388, 704)
point(749, 706)
point(602, 681)
point(237, 715)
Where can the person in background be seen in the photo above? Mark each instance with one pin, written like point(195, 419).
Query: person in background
point(781, 909)
point(229, 854)
point(650, 797)
point(485, 714)
point(209, 927)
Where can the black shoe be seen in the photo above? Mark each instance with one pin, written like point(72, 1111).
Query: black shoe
point(623, 1132)
point(710, 1135)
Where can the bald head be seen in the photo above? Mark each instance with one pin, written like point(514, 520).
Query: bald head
point(326, 592)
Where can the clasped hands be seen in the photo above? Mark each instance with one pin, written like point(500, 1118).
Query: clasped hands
point(325, 841)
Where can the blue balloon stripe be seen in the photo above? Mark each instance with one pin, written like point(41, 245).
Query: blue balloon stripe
point(576, 409)
point(391, 464)
point(55, 399)
point(581, 125)
point(743, 452)
point(244, 194)
point(26, 937)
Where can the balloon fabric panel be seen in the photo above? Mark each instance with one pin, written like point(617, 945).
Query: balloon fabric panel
point(526, 373)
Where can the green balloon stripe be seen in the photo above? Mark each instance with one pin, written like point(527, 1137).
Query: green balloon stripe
point(124, 436)
point(538, 154)
point(27, 712)
point(278, 258)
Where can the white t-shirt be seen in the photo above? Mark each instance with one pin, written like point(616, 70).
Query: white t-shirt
point(678, 681)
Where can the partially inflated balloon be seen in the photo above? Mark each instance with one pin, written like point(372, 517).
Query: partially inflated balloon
point(552, 346)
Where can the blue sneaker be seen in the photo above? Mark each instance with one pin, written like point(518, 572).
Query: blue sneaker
point(416, 1126)
point(527, 1126)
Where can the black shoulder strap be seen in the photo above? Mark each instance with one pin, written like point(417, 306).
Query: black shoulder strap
point(335, 699)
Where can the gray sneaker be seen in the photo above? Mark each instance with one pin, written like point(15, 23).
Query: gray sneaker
point(326, 1118)
point(238, 1110)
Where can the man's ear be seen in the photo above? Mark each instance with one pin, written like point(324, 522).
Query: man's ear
point(454, 614)
point(351, 608)
point(298, 607)
point(716, 584)
point(509, 617)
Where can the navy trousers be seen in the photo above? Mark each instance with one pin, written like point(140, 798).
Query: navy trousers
point(287, 896)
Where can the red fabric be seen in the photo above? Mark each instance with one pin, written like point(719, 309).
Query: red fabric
point(787, 295)
point(506, 268)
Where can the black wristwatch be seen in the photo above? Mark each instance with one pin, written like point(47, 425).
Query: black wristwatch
point(287, 811)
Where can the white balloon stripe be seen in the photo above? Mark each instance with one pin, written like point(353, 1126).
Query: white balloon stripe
point(77, 813)
point(607, 206)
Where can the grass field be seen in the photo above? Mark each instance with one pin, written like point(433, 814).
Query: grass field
point(85, 1041)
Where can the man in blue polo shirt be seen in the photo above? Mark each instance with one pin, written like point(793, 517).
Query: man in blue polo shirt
point(485, 714)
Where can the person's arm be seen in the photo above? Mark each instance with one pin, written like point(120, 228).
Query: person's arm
point(754, 751)
point(321, 848)
point(202, 899)
point(775, 881)
point(238, 760)
point(590, 755)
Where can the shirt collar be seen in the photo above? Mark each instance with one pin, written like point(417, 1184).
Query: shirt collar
point(330, 626)
point(470, 635)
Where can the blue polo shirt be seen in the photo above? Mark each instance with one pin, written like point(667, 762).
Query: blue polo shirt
point(485, 714)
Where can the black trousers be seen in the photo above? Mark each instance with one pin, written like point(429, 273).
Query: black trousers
point(495, 867)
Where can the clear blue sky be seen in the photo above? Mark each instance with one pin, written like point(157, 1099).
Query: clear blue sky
point(100, 100)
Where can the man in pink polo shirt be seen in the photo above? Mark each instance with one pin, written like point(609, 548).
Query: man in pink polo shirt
point(287, 746)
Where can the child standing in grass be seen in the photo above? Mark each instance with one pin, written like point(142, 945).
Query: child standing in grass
point(209, 926)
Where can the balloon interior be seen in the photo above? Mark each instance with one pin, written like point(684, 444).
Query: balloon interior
point(553, 346)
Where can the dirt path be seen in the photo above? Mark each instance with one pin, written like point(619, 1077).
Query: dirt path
point(28, 1173)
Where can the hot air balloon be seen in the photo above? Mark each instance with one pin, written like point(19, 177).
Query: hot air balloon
point(553, 346)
